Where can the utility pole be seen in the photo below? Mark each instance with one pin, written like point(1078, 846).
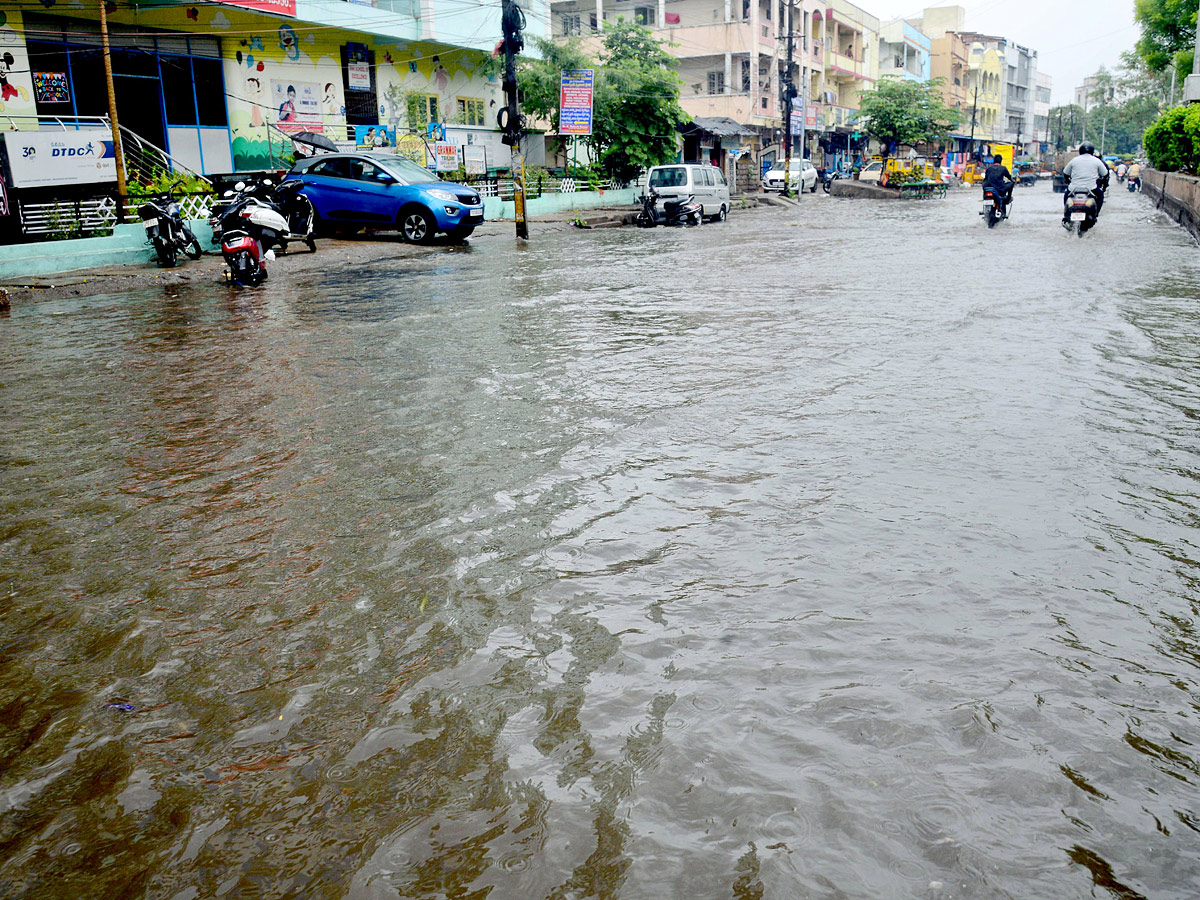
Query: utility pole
point(1103, 135)
point(118, 153)
point(789, 92)
point(974, 108)
point(509, 119)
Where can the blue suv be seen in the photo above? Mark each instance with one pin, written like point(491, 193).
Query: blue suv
point(381, 190)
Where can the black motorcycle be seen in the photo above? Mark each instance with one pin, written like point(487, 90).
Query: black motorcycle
point(829, 176)
point(1082, 210)
point(995, 206)
point(684, 211)
point(166, 230)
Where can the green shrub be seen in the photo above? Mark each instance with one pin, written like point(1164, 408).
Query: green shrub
point(1173, 142)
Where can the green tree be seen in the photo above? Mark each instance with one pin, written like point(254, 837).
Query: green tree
point(902, 112)
point(636, 125)
point(1168, 33)
point(636, 111)
point(539, 79)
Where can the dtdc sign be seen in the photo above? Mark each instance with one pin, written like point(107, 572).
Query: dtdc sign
point(49, 158)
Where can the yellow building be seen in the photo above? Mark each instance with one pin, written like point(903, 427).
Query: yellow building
point(985, 82)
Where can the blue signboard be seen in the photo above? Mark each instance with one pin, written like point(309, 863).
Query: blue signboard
point(575, 101)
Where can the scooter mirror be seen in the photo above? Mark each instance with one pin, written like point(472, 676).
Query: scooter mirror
point(267, 182)
point(240, 186)
point(228, 194)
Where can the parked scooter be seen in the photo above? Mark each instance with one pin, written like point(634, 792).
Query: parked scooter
point(166, 229)
point(1082, 211)
point(678, 211)
point(276, 216)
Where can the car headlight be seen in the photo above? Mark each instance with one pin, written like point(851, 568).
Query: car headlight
point(442, 195)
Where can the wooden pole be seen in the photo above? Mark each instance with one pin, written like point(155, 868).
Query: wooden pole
point(118, 152)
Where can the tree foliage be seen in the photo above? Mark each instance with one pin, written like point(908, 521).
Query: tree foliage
point(906, 112)
point(1173, 142)
point(1168, 33)
point(1121, 106)
point(636, 107)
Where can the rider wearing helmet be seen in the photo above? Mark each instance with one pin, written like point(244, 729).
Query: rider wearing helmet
point(999, 179)
point(1085, 173)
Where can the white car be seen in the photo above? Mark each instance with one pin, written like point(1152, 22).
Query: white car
point(802, 172)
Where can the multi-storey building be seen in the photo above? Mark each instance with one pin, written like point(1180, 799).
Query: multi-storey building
point(1041, 112)
point(904, 51)
point(1020, 86)
point(1085, 94)
point(728, 51)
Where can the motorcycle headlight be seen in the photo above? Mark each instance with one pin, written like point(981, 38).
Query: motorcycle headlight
point(443, 195)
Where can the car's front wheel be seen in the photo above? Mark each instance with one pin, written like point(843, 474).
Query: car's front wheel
point(417, 225)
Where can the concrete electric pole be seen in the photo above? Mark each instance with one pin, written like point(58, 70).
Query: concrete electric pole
point(1191, 84)
point(512, 20)
point(789, 93)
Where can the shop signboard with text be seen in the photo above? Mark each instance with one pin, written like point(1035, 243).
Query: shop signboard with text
point(49, 159)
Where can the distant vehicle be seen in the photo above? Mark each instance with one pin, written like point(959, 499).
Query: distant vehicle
point(706, 184)
point(802, 174)
point(350, 191)
point(872, 172)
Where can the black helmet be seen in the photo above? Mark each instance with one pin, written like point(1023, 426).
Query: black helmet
point(1087, 147)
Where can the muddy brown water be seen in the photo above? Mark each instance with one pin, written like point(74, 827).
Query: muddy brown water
point(844, 553)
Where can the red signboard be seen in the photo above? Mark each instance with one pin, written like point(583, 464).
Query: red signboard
point(279, 7)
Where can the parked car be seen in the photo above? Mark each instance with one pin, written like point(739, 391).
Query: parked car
point(871, 172)
point(802, 173)
point(381, 190)
point(706, 183)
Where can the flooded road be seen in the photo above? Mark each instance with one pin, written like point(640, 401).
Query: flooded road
point(841, 553)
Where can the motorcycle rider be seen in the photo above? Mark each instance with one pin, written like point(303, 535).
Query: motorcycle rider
point(1084, 173)
point(1134, 174)
point(999, 179)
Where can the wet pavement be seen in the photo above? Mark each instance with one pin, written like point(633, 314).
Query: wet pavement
point(846, 552)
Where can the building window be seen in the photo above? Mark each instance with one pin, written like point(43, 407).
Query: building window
point(716, 82)
point(572, 24)
point(745, 76)
point(422, 109)
point(470, 111)
point(644, 15)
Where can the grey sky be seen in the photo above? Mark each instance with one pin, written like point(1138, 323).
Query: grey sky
point(1067, 49)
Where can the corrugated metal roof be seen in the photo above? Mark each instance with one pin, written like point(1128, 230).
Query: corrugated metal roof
point(721, 126)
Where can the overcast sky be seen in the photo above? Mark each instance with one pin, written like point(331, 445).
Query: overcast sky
point(1067, 49)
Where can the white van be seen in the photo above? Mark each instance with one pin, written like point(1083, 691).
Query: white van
point(706, 183)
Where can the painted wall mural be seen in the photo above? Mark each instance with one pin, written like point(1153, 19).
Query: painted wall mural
point(16, 82)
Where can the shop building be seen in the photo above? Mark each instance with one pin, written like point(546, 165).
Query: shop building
point(219, 86)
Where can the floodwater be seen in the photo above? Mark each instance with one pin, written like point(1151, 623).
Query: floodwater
point(841, 553)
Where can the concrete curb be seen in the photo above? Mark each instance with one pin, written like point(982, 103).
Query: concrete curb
point(1176, 195)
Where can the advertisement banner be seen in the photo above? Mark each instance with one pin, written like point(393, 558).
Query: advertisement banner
point(51, 87)
point(810, 116)
point(475, 160)
point(279, 7)
point(374, 137)
point(575, 101)
point(297, 105)
point(446, 156)
point(45, 159)
point(412, 147)
point(358, 76)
